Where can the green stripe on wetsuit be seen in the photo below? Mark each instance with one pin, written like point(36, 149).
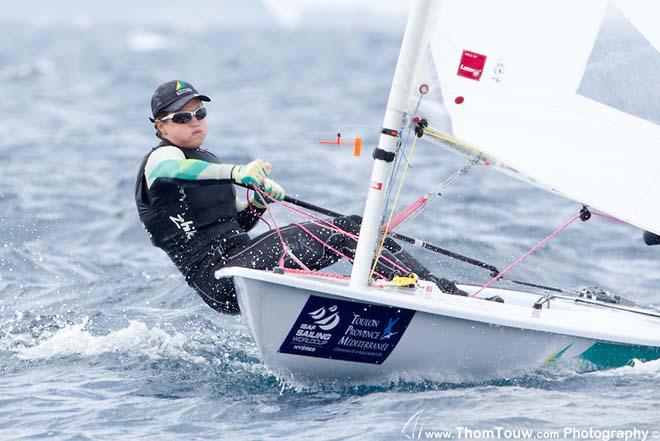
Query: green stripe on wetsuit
point(189, 169)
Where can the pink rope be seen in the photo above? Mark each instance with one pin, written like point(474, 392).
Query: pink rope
point(395, 222)
point(399, 218)
point(285, 248)
point(325, 244)
point(404, 214)
point(316, 274)
point(322, 221)
point(255, 212)
point(333, 227)
point(528, 253)
point(609, 217)
point(330, 226)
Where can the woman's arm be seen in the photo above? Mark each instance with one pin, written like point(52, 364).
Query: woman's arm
point(170, 162)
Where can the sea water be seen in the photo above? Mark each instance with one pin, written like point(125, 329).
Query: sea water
point(101, 338)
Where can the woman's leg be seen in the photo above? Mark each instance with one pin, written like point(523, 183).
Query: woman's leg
point(264, 252)
point(415, 266)
point(394, 252)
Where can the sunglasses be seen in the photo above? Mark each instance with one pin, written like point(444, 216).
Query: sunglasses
point(185, 117)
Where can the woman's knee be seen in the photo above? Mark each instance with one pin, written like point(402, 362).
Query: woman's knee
point(350, 224)
point(219, 295)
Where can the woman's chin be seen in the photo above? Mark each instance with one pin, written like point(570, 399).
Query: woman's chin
point(193, 142)
point(198, 138)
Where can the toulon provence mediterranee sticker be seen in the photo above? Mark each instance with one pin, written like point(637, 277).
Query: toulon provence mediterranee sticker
point(343, 330)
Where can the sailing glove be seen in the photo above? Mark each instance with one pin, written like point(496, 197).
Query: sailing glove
point(253, 173)
point(271, 187)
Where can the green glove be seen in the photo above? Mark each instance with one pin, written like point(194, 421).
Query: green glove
point(272, 188)
point(253, 173)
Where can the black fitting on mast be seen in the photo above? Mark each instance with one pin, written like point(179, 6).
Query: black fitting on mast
point(420, 126)
point(585, 214)
point(383, 155)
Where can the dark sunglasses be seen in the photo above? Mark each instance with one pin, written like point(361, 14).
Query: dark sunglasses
point(185, 117)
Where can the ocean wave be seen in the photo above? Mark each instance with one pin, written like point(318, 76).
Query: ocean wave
point(135, 338)
point(638, 368)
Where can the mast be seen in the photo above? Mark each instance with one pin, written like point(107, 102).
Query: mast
point(393, 121)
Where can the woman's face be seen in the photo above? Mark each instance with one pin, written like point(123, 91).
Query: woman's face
point(190, 135)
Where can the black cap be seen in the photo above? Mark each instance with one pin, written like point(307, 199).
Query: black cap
point(173, 95)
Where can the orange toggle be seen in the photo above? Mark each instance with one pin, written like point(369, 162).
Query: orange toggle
point(357, 147)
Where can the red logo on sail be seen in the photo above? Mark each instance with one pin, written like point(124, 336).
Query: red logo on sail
point(471, 65)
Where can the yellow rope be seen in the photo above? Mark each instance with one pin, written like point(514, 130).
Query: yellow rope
point(396, 199)
point(458, 144)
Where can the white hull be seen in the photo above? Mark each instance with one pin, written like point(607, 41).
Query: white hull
point(448, 338)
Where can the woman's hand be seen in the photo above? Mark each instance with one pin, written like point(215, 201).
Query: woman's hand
point(271, 187)
point(253, 173)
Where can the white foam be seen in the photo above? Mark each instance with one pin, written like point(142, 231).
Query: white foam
point(638, 368)
point(267, 409)
point(137, 338)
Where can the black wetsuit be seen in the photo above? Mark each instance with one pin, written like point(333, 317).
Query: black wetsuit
point(197, 224)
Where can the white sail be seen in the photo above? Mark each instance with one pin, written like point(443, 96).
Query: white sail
point(508, 73)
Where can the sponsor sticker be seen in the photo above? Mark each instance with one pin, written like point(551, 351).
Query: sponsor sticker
point(376, 185)
point(343, 330)
point(182, 88)
point(182, 224)
point(471, 65)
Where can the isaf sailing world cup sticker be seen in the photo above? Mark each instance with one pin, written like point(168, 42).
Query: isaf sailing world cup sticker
point(350, 331)
point(326, 320)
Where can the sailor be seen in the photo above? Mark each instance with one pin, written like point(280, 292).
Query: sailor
point(186, 199)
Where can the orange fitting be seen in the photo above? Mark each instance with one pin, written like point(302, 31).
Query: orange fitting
point(357, 147)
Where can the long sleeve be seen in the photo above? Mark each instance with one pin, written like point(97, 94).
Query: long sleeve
point(170, 162)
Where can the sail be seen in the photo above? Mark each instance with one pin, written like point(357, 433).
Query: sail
point(644, 15)
point(504, 76)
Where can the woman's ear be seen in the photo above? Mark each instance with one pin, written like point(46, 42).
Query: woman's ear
point(160, 125)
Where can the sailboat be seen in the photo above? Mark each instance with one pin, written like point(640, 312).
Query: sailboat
point(497, 82)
